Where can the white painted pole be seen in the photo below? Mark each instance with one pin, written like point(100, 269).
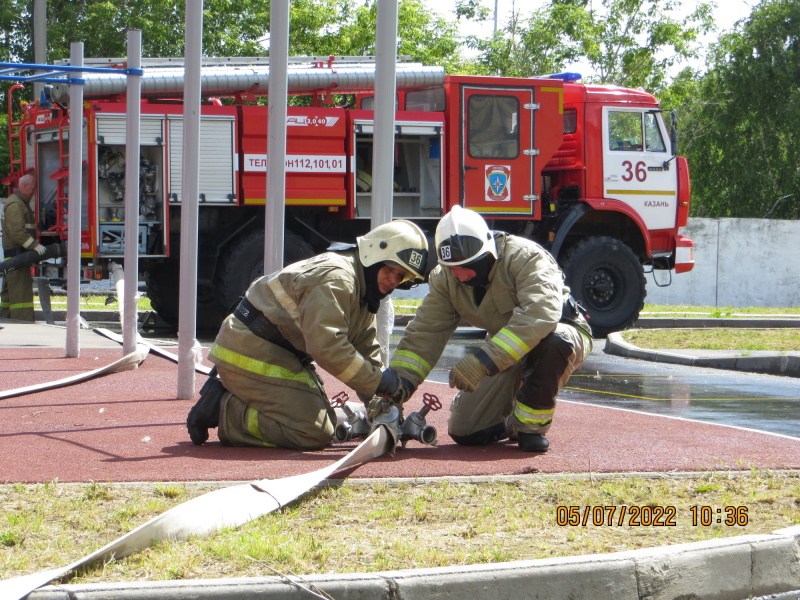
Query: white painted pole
point(39, 40)
point(385, 92)
point(132, 137)
point(187, 319)
point(383, 144)
point(274, 211)
point(73, 349)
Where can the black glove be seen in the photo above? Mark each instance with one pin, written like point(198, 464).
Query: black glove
point(397, 389)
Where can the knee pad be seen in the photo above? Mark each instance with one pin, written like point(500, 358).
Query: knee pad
point(483, 437)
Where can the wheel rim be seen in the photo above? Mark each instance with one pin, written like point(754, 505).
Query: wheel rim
point(601, 286)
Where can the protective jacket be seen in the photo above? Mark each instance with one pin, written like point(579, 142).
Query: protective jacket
point(19, 235)
point(317, 305)
point(522, 305)
point(19, 229)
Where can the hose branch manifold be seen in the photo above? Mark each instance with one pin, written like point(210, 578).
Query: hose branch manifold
point(357, 424)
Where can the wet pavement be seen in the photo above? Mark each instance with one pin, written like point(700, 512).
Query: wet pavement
point(762, 402)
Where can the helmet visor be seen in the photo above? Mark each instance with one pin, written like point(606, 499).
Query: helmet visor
point(458, 249)
point(400, 271)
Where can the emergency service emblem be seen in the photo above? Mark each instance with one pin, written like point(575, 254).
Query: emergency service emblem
point(498, 183)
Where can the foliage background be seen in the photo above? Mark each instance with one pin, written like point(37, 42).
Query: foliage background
point(737, 98)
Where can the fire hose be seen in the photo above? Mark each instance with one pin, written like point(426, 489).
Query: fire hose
point(31, 257)
point(205, 515)
point(238, 504)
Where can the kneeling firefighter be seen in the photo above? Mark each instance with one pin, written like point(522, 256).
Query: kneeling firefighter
point(323, 310)
point(512, 288)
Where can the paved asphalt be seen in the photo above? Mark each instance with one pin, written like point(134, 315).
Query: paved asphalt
point(129, 426)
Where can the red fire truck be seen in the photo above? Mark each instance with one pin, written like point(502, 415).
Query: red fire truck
point(588, 171)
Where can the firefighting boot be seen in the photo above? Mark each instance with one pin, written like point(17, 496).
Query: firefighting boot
point(533, 442)
point(205, 413)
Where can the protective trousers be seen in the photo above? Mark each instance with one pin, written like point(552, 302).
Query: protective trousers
point(16, 298)
point(523, 397)
point(284, 413)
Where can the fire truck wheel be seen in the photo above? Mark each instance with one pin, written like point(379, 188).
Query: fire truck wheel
point(163, 286)
point(243, 262)
point(606, 276)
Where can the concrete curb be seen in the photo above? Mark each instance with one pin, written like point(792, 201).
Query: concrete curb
point(401, 320)
point(707, 323)
point(722, 569)
point(771, 364)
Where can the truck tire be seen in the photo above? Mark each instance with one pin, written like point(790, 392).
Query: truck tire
point(606, 276)
point(163, 287)
point(243, 262)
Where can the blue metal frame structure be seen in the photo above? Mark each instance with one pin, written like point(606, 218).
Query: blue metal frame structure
point(56, 74)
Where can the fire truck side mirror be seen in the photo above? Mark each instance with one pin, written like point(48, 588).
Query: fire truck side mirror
point(673, 131)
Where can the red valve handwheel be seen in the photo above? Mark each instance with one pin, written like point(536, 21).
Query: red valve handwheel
point(339, 399)
point(431, 401)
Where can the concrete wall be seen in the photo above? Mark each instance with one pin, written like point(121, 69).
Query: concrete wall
point(738, 262)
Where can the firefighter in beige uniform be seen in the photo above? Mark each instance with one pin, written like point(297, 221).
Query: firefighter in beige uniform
point(514, 289)
point(19, 235)
point(321, 309)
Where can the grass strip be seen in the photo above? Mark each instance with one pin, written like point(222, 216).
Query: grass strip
point(368, 527)
point(717, 338)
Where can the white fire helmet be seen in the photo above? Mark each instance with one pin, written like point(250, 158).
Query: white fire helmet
point(400, 242)
point(462, 236)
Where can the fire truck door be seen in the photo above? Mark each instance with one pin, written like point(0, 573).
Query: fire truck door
point(637, 169)
point(497, 154)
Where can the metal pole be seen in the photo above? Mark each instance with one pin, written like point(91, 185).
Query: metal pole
point(274, 211)
point(187, 319)
point(75, 193)
point(383, 143)
point(39, 39)
point(385, 92)
point(132, 137)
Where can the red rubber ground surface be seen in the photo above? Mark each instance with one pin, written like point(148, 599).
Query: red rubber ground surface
point(129, 427)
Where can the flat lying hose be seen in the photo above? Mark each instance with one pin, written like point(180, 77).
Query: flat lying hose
point(203, 516)
point(126, 363)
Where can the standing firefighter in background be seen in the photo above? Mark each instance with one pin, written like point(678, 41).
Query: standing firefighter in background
point(19, 235)
point(514, 289)
point(321, 309)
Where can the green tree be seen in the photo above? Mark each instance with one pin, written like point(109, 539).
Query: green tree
point(230, 27)
point(346, 27)
point(742, 134)
point(633, 43)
